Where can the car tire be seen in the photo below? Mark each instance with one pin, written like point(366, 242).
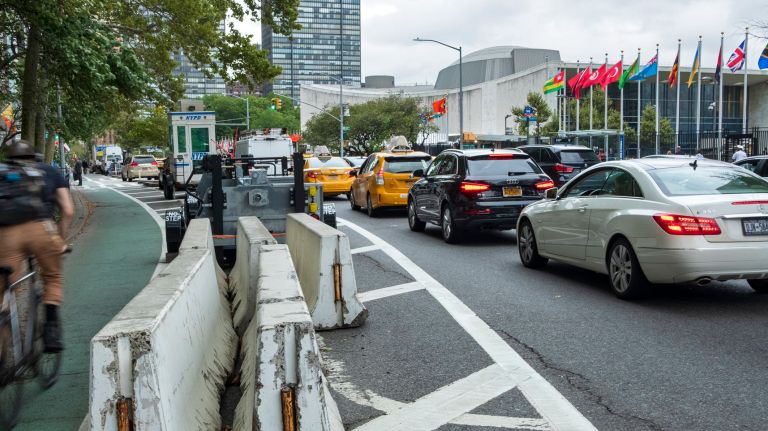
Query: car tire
point(528, 248)
point(624, 273)
point(450, 232)
point(160, 182)
point(130, 180)
point(352, 203)
point(759, 286)
point(414, 223)
point(372, 212)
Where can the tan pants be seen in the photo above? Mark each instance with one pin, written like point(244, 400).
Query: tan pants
point(39, 239)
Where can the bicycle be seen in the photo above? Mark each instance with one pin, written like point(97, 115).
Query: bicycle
point(22, 355)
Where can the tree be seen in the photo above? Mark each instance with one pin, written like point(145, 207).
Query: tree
point(232, 110)
point(542, 114)
point(143, 128)
point(648, 127)
point(426, 126)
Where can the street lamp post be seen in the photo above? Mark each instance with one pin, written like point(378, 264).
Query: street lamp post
point(506, 117)
point(461, 85)
point(341, 112)
point(247, 111)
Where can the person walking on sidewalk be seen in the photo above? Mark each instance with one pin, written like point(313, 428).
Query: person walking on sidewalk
point(739, 154)
point(78, 170)
point(27, 228)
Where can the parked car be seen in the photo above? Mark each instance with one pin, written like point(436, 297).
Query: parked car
point(385, 178)
point(654, 220)
point(140, 166)
point(756, 164)
point(334, 172)
point(561, 162)
point(475, 189)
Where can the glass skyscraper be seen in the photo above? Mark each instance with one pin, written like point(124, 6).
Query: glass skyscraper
point(327, 44)
point(196, 84)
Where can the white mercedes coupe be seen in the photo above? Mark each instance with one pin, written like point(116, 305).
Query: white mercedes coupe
point(654, 220)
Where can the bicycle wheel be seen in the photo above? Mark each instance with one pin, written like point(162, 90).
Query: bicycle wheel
point(11, 386)
point(47, 365)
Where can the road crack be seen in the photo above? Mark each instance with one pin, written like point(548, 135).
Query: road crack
point(384, 269)
point(578, 382)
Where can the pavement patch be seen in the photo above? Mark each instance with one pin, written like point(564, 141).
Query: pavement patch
point(375, 269)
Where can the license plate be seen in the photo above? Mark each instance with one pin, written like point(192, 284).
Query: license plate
point(512, 191)
point(755, 226)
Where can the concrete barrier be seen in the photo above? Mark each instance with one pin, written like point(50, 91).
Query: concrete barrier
point(279, 349)
point(324, 265)
point(170, 349)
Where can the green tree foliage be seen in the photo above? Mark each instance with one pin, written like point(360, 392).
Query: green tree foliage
point(543, 114)
point(370, 124)
point(648, 126)
point(232, 110)
point(143, 128)
point(598, 114)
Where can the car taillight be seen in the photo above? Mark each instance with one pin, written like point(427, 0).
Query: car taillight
point(380, 177)
point(312, 175)
point(562, 169)
point(687, 225)
point(501, 156)
point(134, 164)
point(468, 187)
point(154, 163)
point(544, 185)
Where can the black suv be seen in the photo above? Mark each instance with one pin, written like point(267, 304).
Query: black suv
point(561, 162)
point(483, 189)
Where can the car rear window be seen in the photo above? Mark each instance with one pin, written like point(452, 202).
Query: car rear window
point(333, 162)
point(142, 160)
point(578, 156)
point(495, 167)
point(405, 165)
point(705, 180)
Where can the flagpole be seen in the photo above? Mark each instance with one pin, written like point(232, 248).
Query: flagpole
point(638, 106)
point(559, 108)
point(720, 103)
point(746, 77)
point(578, 102)
point(590, 106)
point(605, 112)
point(698, 101)
point(621, 97)
point(677, 101)
point(658, 108)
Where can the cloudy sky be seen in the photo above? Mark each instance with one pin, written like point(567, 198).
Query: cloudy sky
point(577, 29)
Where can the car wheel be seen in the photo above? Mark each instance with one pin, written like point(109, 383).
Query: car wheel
point(626, 277)
point(160, 182)
point(130, 179)
point(529, 250)
point(372, 212)
point(451, 233)
point(414, 223)
point(352, 204)
point(759, 286)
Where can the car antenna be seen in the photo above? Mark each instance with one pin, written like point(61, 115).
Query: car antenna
point(694, 164)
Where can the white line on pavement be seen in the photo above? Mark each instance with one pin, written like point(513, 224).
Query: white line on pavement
point(552, 405)
point(502, 422)
point(161, 202)
point(365, 249)
point(386, 292)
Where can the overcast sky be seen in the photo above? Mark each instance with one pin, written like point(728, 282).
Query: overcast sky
point(577, 31)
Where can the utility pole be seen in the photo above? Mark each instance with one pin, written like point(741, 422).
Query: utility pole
point(58, 127)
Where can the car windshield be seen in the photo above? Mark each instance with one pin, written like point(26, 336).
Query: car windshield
point(143, 159)
point(705, 180)
point(356, 162)
point(578, 156)
point(497, 167)
point(333, 162)
point(405, 165)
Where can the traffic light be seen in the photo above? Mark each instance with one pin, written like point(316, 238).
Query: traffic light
point(278, 103)
point(274, 100)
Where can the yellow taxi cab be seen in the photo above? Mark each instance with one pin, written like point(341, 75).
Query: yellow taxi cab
point(334, 173)
point(385, 178)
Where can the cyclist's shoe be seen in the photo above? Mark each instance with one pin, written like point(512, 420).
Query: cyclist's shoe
point(52, 337)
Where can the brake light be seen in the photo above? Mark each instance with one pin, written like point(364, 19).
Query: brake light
point(312, 175)
point(380, 177)
point(749, 203)
point(134, 164)
point(468, 187)
point(154, 163)
point(544, 185)
point(687, 225)
point(562, 169)
point(501, 156)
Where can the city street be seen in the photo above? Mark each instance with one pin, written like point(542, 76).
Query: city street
point(685, 358)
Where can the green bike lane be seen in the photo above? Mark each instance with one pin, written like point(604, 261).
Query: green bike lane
point(114, 257)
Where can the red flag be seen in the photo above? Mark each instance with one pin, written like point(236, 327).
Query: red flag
point(582, 79)
point(575, 80)
point(595, 77)
point(439, 106)
point(612, 75)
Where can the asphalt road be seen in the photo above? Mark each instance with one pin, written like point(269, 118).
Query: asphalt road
point(685, 358)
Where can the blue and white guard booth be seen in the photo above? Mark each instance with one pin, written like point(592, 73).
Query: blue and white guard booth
point(192, 136)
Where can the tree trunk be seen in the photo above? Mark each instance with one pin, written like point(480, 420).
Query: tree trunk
point(39, 132)
point(29, 90)
point(49, 146)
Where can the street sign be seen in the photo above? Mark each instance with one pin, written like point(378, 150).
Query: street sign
point(528, 110)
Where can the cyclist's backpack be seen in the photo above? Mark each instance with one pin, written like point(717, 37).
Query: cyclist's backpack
point(22, 191)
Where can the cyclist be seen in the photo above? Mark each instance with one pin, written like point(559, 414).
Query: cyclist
point(27, 196)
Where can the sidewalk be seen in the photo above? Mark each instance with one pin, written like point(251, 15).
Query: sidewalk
point(113, 259)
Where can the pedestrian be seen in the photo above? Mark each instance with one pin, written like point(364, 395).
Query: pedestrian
point(678, 150)
point(85, 166)
point(78, 171)
point(739, 154)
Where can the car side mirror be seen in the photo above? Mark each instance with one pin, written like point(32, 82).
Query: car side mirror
point(551, 193)
point(353, 173)
point(418, 173)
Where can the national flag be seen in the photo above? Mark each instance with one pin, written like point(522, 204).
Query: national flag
point(556, 83)
point(612, 75)
point(575, 80)
point(7, 116)
point(579, 85)
point(629, 72)
point(736, 61)
point(762, 63)
point(719, 67)
point(675, 70)
point(647, 71)
point(694, 68)
point(439, 106)
point(595, 77)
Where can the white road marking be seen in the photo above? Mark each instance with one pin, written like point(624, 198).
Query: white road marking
point(365, 249)
point(159, 202)
point(553, 407)
point(502, 422)
point(144, 192)
point(445, 404)
point(386, 292)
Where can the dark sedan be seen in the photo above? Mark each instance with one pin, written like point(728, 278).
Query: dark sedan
point(475, 189)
